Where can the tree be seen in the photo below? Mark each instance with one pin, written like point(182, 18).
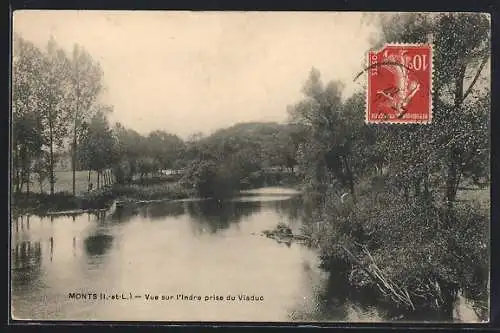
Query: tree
point(164, 148)
point(53, 102)
point(407, 234)
point(129, 150)
point(27, 126)
point(459, 134)
point(435, 158)
point(333, 126)
point(85, 87)
point(98, 144)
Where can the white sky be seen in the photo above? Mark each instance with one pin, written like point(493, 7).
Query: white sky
point(185, 72)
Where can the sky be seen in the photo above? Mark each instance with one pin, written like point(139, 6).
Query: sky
point(186, 72)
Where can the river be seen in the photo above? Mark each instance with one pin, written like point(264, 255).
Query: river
point(178, 251)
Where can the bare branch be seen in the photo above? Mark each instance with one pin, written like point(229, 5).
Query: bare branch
point(476, 77)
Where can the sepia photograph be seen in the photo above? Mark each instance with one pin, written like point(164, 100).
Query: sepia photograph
point(246, 166)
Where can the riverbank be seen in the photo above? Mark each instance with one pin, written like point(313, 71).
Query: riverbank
point(382, 247)
point(46, 204)
point(134, 193)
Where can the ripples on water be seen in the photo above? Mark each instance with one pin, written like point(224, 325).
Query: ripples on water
point(199, 247)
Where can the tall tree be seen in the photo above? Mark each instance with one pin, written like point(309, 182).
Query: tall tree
point(332, 133)
point(27, 136)
point(86, 85)
point(53, 102)
point(459, 134)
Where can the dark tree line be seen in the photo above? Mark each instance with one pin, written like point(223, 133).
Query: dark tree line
point(56, 108)
point(53, 96)
point(240, 157)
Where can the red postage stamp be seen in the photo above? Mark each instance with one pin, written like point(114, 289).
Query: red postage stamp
point(400, 84)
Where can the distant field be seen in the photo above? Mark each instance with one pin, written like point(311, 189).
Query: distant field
point(64, 182)
point(480, 196)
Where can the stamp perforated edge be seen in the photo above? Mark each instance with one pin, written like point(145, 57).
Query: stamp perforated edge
point(431, 87)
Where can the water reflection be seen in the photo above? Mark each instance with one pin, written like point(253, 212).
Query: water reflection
point(123, 214)
point(98, 244)
point(291, 209)
point(215, 215)
point(51, 241)
point(158, 211)
point(188, 239)
point(26, 263)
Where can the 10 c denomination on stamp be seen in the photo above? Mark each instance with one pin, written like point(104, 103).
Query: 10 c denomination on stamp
point(400, 84)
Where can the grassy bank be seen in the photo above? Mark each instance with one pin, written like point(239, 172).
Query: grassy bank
point(150, 188)
point(43, 203)
point(64, 182)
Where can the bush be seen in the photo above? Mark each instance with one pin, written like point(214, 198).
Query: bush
point(417, 247)
point(209, 179)
point(153, 192)
point(120, 174)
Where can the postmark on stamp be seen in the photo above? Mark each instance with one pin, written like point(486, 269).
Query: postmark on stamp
point(400, 84)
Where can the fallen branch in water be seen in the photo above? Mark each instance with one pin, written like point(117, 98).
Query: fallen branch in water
point(400, 293)
point(283, 233)
point(385, 285)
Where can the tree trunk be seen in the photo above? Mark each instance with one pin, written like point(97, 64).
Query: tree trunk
point(17, 181)
point(88, 182)
point(28, 180)
point(51, 159)
point(452, 177)
point(23, 167)
point(459, 86)
point(416, 185)
point(15, 168)
point(406, 194)
point(427, 194)
point(449, 295)
point(350, 178)
point(73, 159)
point(21, 185)
point(98, 179)
point(75, 122)
point(452, 180)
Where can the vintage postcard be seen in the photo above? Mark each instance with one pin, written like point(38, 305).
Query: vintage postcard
point(181, 166)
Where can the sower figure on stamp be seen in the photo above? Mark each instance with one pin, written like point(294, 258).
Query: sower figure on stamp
point(401, 95)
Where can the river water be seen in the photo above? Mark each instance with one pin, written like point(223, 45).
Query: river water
point(180, 251)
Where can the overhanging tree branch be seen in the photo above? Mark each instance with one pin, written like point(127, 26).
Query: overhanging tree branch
point(476, 77)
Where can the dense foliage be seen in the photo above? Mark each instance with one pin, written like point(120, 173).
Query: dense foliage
point(240, 157)
point(403, 230)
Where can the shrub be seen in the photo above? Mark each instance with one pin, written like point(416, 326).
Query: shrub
point(412, 247)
